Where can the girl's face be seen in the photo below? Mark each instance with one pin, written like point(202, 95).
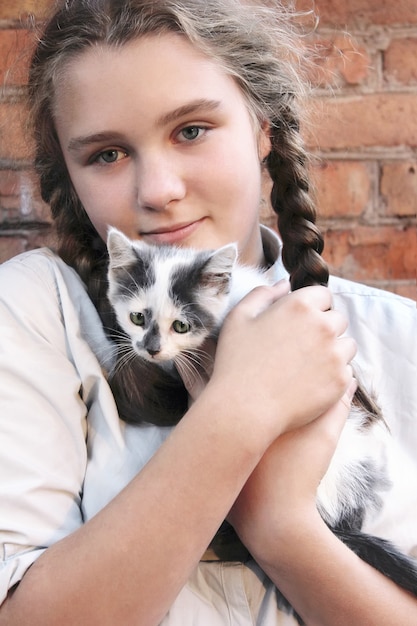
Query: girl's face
point(159, 142)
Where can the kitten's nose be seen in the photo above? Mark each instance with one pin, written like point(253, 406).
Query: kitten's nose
point(152, 340)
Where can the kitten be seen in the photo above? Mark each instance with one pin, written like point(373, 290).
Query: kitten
point(167, 302)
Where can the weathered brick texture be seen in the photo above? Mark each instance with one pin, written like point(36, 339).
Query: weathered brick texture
point(363, 13)
point(20, 199)
point(399, 188)
point(386, 253)
point(362, 132)
point(19, 10)
point(14, 143)
point(354, 122)
point(14, 48)
point(343, 189)
point(400, 62)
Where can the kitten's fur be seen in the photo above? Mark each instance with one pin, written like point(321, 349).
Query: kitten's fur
point(179, 297)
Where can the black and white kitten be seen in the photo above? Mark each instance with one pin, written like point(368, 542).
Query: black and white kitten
point(167, 302)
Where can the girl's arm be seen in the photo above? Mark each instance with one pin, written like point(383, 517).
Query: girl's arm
point(128, 563)
point(277, 518)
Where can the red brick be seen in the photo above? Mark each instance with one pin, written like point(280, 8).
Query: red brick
point(14, 137)
point(400, 61)
point(399, 188)
point(339, 60)
point(9, 183)
point(41, 237)
point(381, 119)
point(20, 197)
point(366, 253)
point(343, 188)
point(14, 9)
point(10, 246)
point(408, 290)
point(362, 12)
point(15, 51)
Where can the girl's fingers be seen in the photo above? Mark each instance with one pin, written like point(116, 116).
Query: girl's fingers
point(260, 298)
point(315, 298)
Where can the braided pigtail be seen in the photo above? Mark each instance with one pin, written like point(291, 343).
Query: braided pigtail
point(302, 240)
point(292, 202)
point(78, 242)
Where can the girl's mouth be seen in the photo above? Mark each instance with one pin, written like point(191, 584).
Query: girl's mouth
point(173, 234)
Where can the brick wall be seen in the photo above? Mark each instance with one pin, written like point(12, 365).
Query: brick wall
point(24, 218)
point(363, 133)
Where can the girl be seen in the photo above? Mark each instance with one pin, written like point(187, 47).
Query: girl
point(158, 117)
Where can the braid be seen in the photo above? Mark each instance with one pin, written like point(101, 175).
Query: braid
point(292, 202)
point(78, 242)
point(302, 240)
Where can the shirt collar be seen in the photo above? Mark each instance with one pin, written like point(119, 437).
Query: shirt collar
point(272, 247)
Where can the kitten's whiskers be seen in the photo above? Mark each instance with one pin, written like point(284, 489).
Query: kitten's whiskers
point(192, 365)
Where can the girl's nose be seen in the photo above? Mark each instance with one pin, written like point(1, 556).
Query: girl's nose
point(159, 182)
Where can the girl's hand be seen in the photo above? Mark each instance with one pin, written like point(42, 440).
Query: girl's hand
point(282, 489)
point(281, 361)
point(196, 376)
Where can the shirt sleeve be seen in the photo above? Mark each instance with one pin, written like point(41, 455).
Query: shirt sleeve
point(42, 419)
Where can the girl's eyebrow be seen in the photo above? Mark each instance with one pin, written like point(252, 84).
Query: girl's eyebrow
point(196, 106)
point(191, 108)
point(77, 143)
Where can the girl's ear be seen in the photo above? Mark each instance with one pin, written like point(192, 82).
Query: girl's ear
point(264, 140)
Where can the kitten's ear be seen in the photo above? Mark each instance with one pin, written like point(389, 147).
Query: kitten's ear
point(120, 249)
point(217, 271)
point(222, 261)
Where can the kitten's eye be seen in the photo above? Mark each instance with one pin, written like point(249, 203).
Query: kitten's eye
point(180, 327)
point(137, 318)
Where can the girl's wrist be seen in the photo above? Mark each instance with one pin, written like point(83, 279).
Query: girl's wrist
point(290, 537)
point(276, 539)
point(242, 419)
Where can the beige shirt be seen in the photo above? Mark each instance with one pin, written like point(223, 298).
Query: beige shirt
point(64, 453)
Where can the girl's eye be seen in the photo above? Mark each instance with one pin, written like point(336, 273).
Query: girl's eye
point(110, 156)
point(190, 133)
point(137, 318)
point(181, 327)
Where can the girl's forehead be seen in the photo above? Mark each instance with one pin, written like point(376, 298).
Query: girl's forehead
point(153, 74)
point(162, 52)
